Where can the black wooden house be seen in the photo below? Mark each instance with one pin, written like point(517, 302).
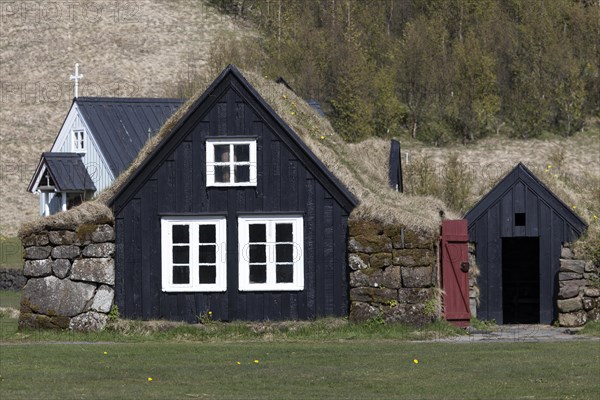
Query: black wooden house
point(519, 228)
point(231, 213)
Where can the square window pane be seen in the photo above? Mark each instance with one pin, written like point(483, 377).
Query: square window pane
point(258, 253)
point(258, 273)
point(221, 153)
point(284, 253)
point(285, 273)
point(181, 274)
point(207, 234)
point(242, 173)
point(242, 152)
point(181, 234)
point(181, 254)
point(222, 173)
point(208, 274)
point(284, 233)
point(258, 233)
point(207, 254)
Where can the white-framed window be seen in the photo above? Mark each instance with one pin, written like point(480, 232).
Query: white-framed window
point(231, 162)
point(194, 254)
point(271, 253)
point(79, 141)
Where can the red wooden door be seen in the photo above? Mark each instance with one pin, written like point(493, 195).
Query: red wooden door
point(455, 272)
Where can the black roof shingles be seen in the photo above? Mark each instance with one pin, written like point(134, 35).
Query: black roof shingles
point(121, 126)
point(68, 172)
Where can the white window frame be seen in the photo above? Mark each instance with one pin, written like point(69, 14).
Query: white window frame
point(78, 141)
point(211, 163)
point(220, 284)
point(244, 259)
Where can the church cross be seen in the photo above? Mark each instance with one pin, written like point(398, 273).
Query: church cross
point(76, 78)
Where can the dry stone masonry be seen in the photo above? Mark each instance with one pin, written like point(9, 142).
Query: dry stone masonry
point(392, 273)
point(70, 276)
point(579, 290)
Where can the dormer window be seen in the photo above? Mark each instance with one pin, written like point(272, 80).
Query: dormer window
point(231, 162)
point(78, 141)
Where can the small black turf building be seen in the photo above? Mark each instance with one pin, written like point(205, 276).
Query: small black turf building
point(231, 213)
point(519, 228)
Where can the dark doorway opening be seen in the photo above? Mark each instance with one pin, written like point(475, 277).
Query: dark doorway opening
point(521, 280)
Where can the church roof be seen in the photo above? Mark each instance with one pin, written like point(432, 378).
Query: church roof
point(121, 126)
point(67, 171)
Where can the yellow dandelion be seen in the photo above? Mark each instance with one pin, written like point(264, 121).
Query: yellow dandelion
point(256, 361)
point(106, 353)
point(415, 361)
point(322, 137)
point(574, 207)
point(238, 363)
point(210, 313)
point(293, 113)
point(556, 175)
point(595, 216)
point(549, 166)
point(149, 379)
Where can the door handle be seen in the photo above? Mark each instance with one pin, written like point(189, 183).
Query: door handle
point(464, 266)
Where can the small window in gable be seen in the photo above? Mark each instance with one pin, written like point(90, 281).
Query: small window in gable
point(194, 254)
point(271, 253)
point(230, 162)
point(79, 141)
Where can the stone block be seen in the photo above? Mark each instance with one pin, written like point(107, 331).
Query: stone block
point(63, 237)
point(100, 270)
point(361, 311)
point(576, 282)
point(103, 299)
point(594, 314)
point(56, 297)
point(590, 267)
point(589, 303)
point(417, 240)
point(414, 296)
point(572, 319)
point(373, 295)
point(358, 261)
point(569, 305)
point(392, 278)
point(69, 252)
point(416, 277)
point(566, 253)
point(366, 278)
point(590, 276)
point(591, 292)
point(369, 244)
point(380, 260)
point(567, 276)
point(61, 268)
point(37, 268)
point(568, 291)
point(412, 257)
point(103, 233)
point(36, 239)
point(37, 252)
point(99, 250)
point(40, 321)
point(576, 266)
point(412, 314)
point(393, 230)
point(89, 321)
point(364, 228)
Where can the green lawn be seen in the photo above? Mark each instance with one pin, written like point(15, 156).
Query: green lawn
point(11, 255)
point(183, 365)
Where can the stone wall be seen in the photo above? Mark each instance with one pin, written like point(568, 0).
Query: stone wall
point(392, 273)
point(579, 290)
point(70, 276)
point(11, 279)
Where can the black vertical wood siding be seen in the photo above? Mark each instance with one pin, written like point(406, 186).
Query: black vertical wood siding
point(177, 186)
point(493, 219)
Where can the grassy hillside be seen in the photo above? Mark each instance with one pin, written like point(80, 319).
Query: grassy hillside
point(139, 48)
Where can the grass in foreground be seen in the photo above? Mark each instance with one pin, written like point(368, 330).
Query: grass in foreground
point(10, 298)
point(381, 369)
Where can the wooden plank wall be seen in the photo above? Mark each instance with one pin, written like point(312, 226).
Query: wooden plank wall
point(498, 222)
point(178, 187)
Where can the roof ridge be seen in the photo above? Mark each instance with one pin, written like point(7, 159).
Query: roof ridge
point(132, 99)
